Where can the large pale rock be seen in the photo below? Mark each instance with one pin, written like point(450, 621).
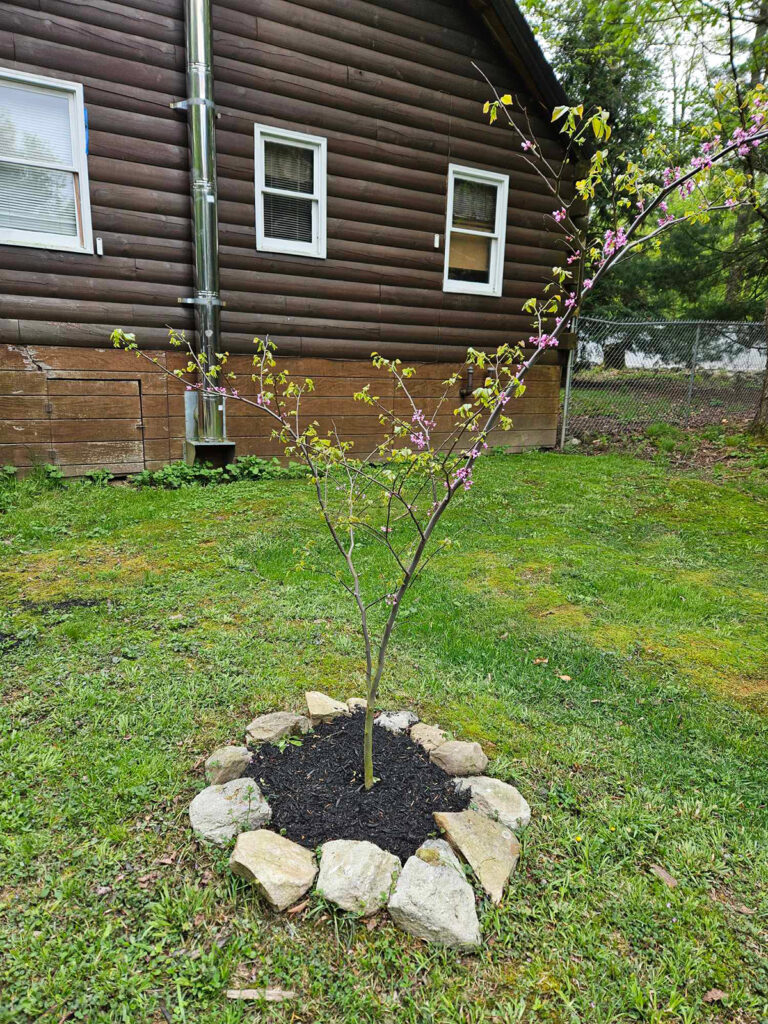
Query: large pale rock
point(276, 726)
point(357, 875)
point(396, 721)
point(457, 757)
point(428, 736)
point(433, 900)
point(490, 848)
point(323, 708)
point(497, 800)
point(280, 869)
point(218, 813)
point(226, 763)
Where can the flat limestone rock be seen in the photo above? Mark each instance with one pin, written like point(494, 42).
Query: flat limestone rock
point(322, 708)
point(433, 900)
point(428, 736)
point(396, 721)
point(490, 848)
point(218, 813)
point(276, 726)
point(458, 757)
point(280, 869)
point(357, 875)
point(497, 800)
point(357, 704)
point(226, 763)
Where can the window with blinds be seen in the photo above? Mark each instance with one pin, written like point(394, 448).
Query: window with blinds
point(475, 231)
point(43, 165)
point(290, 170)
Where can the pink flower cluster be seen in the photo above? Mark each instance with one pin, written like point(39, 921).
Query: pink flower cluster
point(667, 217)
point(420, 436)
point(613, 241)
point(211, 390)
point(542, 341)
point(462, 477)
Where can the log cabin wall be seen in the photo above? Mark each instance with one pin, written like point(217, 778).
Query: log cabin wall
point(390, 85)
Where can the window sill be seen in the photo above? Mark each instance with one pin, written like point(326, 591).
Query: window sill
point(471, 288)
point(26, 243)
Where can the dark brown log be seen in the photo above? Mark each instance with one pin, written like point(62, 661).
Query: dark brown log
point(123, 18)
point(46, 56)
point(146, 47)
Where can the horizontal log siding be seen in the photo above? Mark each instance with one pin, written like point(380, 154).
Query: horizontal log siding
point(389, 84)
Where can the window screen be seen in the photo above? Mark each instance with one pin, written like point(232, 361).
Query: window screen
point(290, 169)
point(43, 179)
point(474, 205)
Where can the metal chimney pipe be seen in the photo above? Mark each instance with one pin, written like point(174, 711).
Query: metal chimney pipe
point(205, 218)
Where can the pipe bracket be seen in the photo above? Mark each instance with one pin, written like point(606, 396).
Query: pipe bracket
point(201, 300)
point(195, 101)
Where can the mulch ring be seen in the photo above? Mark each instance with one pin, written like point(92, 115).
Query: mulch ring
point(316, 789)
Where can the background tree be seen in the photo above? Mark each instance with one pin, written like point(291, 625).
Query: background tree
point(717, 270)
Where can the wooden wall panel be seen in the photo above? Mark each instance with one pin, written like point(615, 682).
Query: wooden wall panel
point(390, 84)
point(86, 408)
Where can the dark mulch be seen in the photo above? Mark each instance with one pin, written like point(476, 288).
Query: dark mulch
point(316, 790)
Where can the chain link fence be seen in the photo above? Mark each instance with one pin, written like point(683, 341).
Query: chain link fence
point(626, 374)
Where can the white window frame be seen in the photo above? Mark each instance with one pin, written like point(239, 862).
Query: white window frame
point(317, 248)
point(79, 168)
point(496, 267)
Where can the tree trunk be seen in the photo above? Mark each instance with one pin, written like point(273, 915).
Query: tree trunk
point(759, 424)
point(735, 282)
point(368, 745)
point(615, 356)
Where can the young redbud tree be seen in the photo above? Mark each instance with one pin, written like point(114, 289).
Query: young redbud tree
point(393, 497)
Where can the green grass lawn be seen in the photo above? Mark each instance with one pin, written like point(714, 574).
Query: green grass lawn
point(648, 590)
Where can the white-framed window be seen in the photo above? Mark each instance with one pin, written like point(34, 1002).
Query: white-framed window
point(290, 170)
point(476, 225)
point(44, 200)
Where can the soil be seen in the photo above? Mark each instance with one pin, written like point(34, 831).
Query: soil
point(316, 789)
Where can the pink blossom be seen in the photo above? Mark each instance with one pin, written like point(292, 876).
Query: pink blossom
point(613, 241)
point(559, 215)
point(588, 282)
point(462, 477)
point(542, 341)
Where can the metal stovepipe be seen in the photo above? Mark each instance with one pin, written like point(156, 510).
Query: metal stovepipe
point(201, 118)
